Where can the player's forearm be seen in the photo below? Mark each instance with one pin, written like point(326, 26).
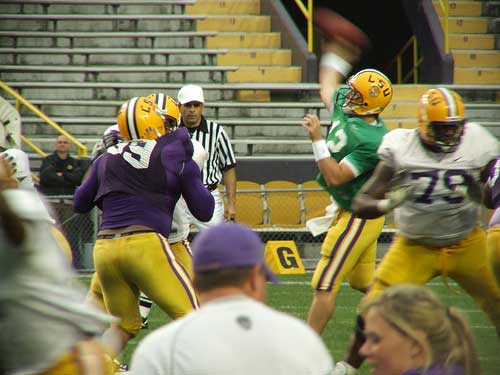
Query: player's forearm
point(198, 198)
point(230, 185)
point(334, 173)
point(367, 207)
point(83, 199)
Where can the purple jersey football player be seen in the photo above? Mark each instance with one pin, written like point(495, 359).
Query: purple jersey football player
point(136, 184)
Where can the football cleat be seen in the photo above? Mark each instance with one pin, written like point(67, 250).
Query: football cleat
point(441, 119)
point(368, 93)
point(145, 323)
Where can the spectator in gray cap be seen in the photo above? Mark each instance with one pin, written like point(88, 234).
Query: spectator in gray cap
point(233, 332)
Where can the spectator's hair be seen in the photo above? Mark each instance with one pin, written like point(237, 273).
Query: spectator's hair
point(230, 276)
point(411, 309)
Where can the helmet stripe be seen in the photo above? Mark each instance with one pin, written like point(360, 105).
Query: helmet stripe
point(131, 119)
point(450, 101)
point(161, 100)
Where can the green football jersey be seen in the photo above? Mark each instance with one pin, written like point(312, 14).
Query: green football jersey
point(354, 141)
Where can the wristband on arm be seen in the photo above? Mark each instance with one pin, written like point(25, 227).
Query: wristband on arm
point(334, 61)
point(320, 150)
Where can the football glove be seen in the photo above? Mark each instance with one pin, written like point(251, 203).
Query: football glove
point(111, 139)
point(9, 159)
point(395, 198)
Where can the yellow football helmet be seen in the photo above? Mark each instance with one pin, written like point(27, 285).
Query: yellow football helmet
point(441, 119)
point(369, 92)
point(141, 118)
point(167, 104)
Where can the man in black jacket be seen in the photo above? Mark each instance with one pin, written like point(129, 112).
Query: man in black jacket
point(60, 175)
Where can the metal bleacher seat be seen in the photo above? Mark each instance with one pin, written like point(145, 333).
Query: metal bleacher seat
point(121, 73)
point(315, 199)
point(80, 38)
point(208, 55)
point(250, 204)
point(284, 204)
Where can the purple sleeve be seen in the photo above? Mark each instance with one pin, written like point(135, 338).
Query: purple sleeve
point(83, 200)
point(198, 198)
point(494, 182)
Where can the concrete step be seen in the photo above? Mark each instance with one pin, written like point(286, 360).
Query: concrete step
point(110, 39)
point(468, 25)
point(472, 41)
point(410, 92)
point(476, 59)
point(224, 7)
point(100, 7)
point(245, 40)
point(99, 22)
point(254, 56)
point(235, 23)
point(228, 109)
point(109, 73)
point(225, 91)
point(110, 56)
point(460, 8)
point(265, 74)
point(487, 76)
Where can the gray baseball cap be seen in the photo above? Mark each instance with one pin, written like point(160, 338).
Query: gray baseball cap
point(229, 245)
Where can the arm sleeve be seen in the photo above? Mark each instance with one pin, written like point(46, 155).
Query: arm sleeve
point(48, 174)
point(75, 175)
point(83, 200)
point(494, 183)
point(198, 198)
point(225, 150)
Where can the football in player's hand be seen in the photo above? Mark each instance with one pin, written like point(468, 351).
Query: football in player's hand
point(333, 25)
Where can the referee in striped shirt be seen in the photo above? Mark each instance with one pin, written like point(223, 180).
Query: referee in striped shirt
point(221, 163)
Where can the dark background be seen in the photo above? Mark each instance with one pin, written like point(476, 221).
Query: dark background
point(385, 22)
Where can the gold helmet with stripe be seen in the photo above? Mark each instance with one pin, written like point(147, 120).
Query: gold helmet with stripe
point(166, 103)
point(141, 118)
point(368, 93)
point(441, 119)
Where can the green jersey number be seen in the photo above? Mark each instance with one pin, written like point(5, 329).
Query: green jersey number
point(338, 143)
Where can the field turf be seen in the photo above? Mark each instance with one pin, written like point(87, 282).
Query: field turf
point(293, 295)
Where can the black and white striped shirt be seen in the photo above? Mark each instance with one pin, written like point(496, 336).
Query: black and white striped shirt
point(214, 139)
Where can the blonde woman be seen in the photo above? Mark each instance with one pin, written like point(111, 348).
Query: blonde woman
point(409, 331)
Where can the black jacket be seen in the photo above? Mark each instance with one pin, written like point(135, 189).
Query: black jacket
point(72, 173)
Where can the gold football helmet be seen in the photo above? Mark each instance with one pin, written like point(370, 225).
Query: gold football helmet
point(368, 93)
point(167, 104)
point(141, 118)
point(441, 119)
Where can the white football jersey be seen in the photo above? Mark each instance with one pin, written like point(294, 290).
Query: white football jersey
point(435, 215)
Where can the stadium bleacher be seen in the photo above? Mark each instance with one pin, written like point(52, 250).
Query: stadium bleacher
point(79, 73)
